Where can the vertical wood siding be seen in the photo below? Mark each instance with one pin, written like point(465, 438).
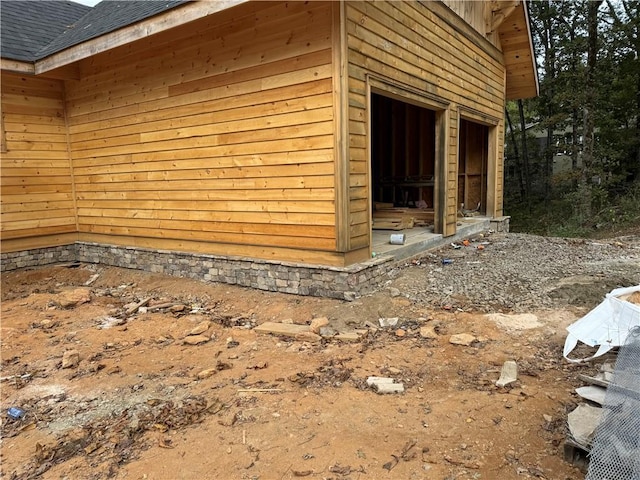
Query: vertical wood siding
point(408, 43)
point(37, 193)
point(221, 140)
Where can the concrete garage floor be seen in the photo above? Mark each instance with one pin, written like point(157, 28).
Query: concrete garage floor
point(421, 239)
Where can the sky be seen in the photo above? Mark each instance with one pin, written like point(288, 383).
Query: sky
point(91, 3)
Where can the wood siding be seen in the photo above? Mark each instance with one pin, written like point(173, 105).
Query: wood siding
point(37, 190)
point(418, 46)
point(220, 141)
point(475, 13)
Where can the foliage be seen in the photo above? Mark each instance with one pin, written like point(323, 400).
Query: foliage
point(579, 184)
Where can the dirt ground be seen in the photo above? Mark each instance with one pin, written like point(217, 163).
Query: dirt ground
point(141, 403)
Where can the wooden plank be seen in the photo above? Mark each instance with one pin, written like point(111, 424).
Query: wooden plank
point(124, 164)
point(195, 231)
point(183, 199)
point(201, 186)
point(21, 206)
point(253, 219)
point(127, 117)
point(259, 109)
point(208, 222)
point(159, 98)
point(38, 241)
point(216, 140)
point(166, 177)
point(249, 251)
point(29, 215)
point(39, 223)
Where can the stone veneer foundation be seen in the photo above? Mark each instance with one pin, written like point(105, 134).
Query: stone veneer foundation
point(315, 280)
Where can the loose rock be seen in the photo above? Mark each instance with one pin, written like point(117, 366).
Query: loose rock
point(307, 337)
point(318, 323)
point(196, 339)
point(73, 298)
point(207, 373)
point(200, 328)
point(428, 331)
point(70, 359)
point(465, 339)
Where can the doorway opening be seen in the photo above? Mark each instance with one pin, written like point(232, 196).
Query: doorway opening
point(473, 155)
point(403, 165)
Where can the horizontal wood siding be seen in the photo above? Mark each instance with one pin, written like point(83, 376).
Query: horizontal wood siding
point(410, 44)
point(220, 141)
point(37, 187)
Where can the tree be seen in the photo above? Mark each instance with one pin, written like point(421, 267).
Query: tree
point(589, 108)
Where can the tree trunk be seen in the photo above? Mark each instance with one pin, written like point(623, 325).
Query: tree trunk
point(525, 156)
point(589, 107)
point(518, 165)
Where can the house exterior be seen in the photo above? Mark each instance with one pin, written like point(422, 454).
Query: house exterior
point(223, 138)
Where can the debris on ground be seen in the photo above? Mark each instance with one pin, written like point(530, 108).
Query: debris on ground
point(139, 391)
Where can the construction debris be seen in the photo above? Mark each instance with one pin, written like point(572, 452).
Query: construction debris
point(509, 373)
point(284, 329)
point(387, 217)
point(385, 385)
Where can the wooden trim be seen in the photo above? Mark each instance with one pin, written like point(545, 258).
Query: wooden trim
point(440, 173)
point(534, 65)
point(70, 160)
point(17, 66)
point(3, 135)
point(145, 28)
point(405, 93)
point(341, 109)
point(492, 171)
point(467, 113)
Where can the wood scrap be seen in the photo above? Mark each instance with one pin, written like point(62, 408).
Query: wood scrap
point(401, 218)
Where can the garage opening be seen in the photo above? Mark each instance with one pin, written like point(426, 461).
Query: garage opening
point(403, 159)
point(473, 154)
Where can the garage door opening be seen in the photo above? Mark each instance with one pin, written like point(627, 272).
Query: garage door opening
point(403, 159)
point(473, 154)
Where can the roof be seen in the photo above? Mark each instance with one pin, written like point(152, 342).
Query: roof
point(27, 27)
point(105, 17)
point(32, 30)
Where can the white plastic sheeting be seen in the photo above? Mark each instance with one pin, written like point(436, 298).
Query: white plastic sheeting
point(606, 326)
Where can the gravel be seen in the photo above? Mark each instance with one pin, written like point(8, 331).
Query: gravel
point(521, 273)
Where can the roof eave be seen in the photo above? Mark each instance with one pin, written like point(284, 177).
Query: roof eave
point(17, 66)
point(519, 55)
point(145, 28)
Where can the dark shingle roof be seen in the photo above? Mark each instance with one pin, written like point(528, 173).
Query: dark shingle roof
point(34, 29)
point(105, 17)
point(27, 27)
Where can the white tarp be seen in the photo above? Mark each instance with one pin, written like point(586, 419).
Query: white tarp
point(606, 326)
